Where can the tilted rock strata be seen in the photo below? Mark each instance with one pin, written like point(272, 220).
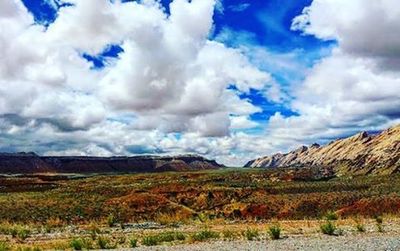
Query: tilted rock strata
point(359, 154)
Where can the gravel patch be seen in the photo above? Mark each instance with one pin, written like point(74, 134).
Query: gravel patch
point(356, 242)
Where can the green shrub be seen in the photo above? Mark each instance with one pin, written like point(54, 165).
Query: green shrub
point(360, 227)
point(77, 244)
point(23, 233)
point(80, 244)
point(251, 234)
point(180, 236)
point(111, 220)
point(150, 240)
point(19, 232)
point(205, 235)
point(275, 232)
point(105, 243)
point(203, 217)
point(379, 219)
point(379, 223)
point(14, 232)
point(4, 246)
point(170, 236)
point(328, 228)
point(133, 243)
point(330, 215)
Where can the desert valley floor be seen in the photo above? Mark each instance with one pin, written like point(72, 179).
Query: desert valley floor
point(213, 207)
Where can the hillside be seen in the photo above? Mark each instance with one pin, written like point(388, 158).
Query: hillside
point(28, 163)
point(359, 154)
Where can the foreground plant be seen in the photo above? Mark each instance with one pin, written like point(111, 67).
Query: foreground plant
point(150, 240)
point(360, 227)
point(80, 244)
point(379, 223)
point(111, 220)
point(133, 243)
point(105, 243)
point(328, 228)
point(204, 235)
point(171, 236)
point(274, 232)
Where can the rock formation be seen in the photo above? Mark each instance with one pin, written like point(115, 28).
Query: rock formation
point(359, 154)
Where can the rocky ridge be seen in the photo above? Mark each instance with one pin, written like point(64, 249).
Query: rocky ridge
point(28, 163)
point(358, 154)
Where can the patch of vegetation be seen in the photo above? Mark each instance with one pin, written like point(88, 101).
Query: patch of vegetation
point(4, 246)
point(111, 220)
point(274, 232)
point(16, 231)
point(91, 199)
point(105, 243)
point(150, 240)
point(23, 233)
point(328, 228)
point(330, 215)
point(379, 223)
point(251, 234)
point(170, 236)
point(133, 243)
point(81, 244)
point(204, 235)
point(360, 227)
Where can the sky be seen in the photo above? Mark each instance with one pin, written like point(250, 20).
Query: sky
point(230, 80)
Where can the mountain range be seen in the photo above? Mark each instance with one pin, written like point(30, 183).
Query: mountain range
point(29, 163)
point(356, 155)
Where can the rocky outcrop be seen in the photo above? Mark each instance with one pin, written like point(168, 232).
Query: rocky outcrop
point(27, 163)
point(359, 154)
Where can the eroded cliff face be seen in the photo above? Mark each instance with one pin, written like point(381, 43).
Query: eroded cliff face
point(17, 163)
point(359, 154)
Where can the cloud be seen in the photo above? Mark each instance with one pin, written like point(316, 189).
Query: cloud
point(364, 30)
point(239, 7)
point(357, 87)
point(170, 79)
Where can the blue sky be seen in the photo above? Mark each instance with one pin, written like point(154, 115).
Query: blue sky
point(231, 80)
